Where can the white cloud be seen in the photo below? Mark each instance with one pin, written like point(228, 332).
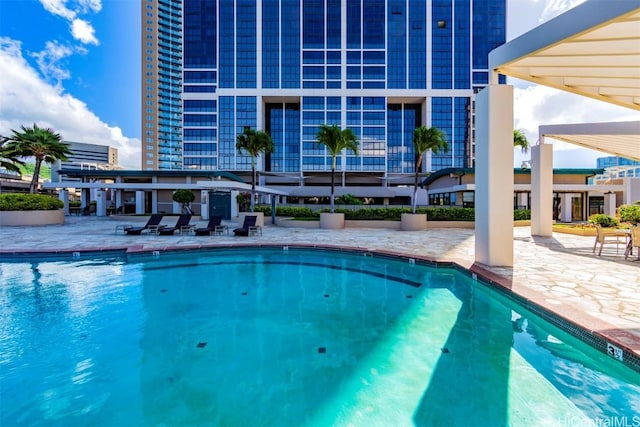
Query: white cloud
point(90, 5)
point(27, 99)
point(83, 31)
point(58, 8)
point(50, 61)
point(554, 8)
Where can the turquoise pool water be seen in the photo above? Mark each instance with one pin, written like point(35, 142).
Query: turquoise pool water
point(273, 337)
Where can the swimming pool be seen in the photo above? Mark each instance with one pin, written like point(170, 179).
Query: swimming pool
point(287, 337)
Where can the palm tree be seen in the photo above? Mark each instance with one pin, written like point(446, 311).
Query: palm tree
point(45, 145)
point(336, 140)
point(254, 143)
point(520, 140)
point(8, 158)
point(425, 139)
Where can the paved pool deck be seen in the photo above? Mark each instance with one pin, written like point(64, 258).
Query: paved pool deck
point(560, 273)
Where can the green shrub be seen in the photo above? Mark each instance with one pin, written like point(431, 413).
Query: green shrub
point(603, 220)
point(521, 214)
point(183, 196)
point(449, 214)
point(29, 202)
point(348, 199)
point(385, 214)
point(629, 213)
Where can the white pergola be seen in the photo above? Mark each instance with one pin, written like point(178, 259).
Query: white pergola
point(592, 50)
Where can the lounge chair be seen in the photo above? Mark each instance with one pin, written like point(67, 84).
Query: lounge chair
point(633, 243)
point(249, 227)
point(182, 224)
point(214, 225)
point(604, 237)
point(153, 222)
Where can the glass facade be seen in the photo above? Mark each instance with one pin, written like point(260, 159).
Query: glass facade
point(378, 67)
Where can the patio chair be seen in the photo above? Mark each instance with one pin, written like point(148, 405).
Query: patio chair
point(633, 243)
point(214, 225)
point(182, 224)
point(249, 227)
point(153, 221)
point(605, 238)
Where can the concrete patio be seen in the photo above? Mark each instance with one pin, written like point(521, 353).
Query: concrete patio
point(560, 273)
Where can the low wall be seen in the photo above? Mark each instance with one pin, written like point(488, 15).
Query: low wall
point(17, 218)
point(392, 225)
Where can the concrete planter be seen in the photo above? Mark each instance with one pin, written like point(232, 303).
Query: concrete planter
point(331, 221)
point(576, 231)
point(259, 219)
point(413, 222)
point(451, 224)
point(17, 218)
point(292, 223)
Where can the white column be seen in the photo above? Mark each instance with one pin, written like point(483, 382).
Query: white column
point(119, 200)
point(85, 197)
point(63, 195)
point(542, 190)
point(101, 203)
point(140, 202)
point(204, 204)
point(494, 176)
point(610, 203)
point(523, 200)
point(234, 204)
point(154, 201)
point(565, 207)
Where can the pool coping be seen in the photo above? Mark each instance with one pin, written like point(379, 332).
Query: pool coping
point(599, 334)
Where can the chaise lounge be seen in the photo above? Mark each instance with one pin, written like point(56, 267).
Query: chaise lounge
point(249, 227)
point(181, 224)
point(214, 225)
point(153, 222)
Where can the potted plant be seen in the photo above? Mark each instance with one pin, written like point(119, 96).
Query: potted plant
point(424, 139)
point(30, 209)
point(184, 197)
point(335, 140)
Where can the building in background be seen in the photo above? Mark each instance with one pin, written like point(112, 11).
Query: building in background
point(86, 156)
point(615, 161)
point(379, 67)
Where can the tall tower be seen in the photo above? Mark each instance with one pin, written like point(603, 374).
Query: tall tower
point(380, 67)
point(162, 59)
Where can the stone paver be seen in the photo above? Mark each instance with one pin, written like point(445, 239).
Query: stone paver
point(560, 273)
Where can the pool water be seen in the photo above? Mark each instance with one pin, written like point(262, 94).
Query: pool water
point(273, 337)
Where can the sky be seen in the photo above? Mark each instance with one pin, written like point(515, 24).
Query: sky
point(74, 66)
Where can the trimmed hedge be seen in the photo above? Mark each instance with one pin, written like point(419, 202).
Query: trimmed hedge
point(604, 220)
point(386, 214)
point(29, 202)
point(629, 213)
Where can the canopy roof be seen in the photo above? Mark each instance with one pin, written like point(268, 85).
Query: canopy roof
point(592, 50)
point(619, 138)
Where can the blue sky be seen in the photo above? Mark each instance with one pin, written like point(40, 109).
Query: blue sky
point(74, 66)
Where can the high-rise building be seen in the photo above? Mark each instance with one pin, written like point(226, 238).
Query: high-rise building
point(379, 67)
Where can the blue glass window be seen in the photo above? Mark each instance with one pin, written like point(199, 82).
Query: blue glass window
point(270, 43)
point(373, 25)
point(313, 57)
point(313, 24)
point(354, 24)
point(290, 15)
